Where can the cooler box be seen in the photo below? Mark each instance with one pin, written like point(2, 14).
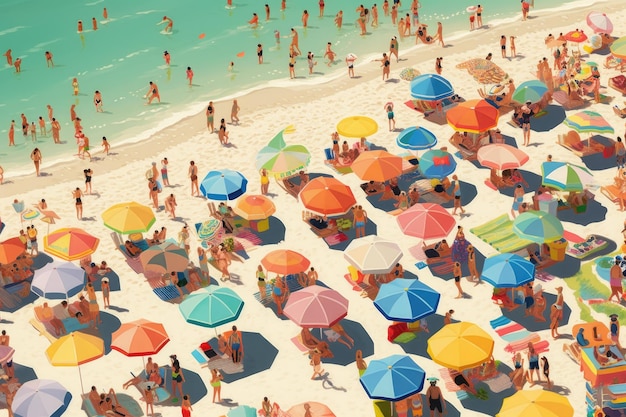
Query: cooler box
point(549, 206)
point(557, 249)
point(260, 225)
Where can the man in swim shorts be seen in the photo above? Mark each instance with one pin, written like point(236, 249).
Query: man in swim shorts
point(435, 398)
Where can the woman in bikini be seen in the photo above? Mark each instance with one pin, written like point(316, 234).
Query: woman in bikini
point(77, 195)
point(216, 383)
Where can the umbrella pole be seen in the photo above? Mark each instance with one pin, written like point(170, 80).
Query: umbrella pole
point(80, 375)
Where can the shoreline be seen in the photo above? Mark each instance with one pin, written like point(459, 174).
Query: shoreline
point(274, 96)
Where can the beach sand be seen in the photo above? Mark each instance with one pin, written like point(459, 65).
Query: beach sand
point(314, 111)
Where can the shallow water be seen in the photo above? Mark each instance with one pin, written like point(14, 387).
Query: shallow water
point(126, 52)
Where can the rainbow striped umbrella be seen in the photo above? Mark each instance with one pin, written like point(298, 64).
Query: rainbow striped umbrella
point(618, 48)
point(588, 122)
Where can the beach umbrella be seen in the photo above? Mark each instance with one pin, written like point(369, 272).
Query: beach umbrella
point(377, 166)
point(460, 346)
point(474, 116)
point(225, 184)
point(41, 397)
point(10, 249)
point(357, 126)
point(437, 163)
point(373, 255)
point(285, 262)
point(315, 409)
point(426, 221)
point(536, 403)
point(254, 207)
point(211, 306)
point(285, 161)
point(316, 306)
point(164, 257)
point(406, 300)
point(327, 196)
point(484, 71)
point(501, 156)
point(408, 74)
point(128, 218)
point(75, 349)
point(431, 87)
point(393, 378)
point(599, 22)
point(576, 36)
point(416, 138)
point(618, 48)
point(532, 91)
point(58, 280)
point(70, 243)
point(208, 229)
point(538, 227)
point(565, 176)
point(6, 354)
point(139, 338)
point(588, 122)
point(507, 270)
point(242, 411)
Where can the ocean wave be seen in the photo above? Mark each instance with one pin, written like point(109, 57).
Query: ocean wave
point(11, 30)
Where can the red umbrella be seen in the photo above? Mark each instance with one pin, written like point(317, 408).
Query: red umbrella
point(426, 221)
point(576, 36)
point(475, 116)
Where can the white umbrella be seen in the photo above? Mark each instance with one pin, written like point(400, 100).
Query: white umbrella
point(373, 255)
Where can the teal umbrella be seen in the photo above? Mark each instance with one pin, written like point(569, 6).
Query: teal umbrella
point(531, 91)
point(212, 306)
point(416, 138)
point(436, 163)
point(225, 184)
point(538, 226)
point(242, 411)
point(393, 378)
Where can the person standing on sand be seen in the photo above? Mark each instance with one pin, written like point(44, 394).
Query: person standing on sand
point(512, 46)
point(77, 195)
point(456, 272)
point(390, 116)
point(518, 198)
point(35, 156)
point(186, 407)
point(615, 280)
point(88, 175)
point(265, 181)
point(170, 206)
point(457, 195)
point(360, 219)
point(385, 65)
point(234, 111)
point(471, 264)
point(193, 176)
point(216, 383)
point(164, 177)
point(503, 45)
point(350, 62)
point(439, 35)
point(210, 117)
point(438, 66)
point(435, 398)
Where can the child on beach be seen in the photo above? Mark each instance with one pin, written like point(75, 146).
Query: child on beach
point(105, 145)
point(390, 116)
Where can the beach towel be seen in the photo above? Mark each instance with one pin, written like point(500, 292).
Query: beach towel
point(167, 293)
point(444, 373)
point(510, 328)
point(499, 383)
point(335, 239)
point(500, 321)
point(583, 249)
point(544, 276)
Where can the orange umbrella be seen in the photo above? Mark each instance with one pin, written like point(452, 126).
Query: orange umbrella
point(10, 249)
point(474, 116)
point(377, 166)
point(327, 196)
point(285, 262)
point(139, 338)
point(254, 207)
point(70, 244)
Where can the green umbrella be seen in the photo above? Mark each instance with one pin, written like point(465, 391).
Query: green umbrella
point(538, 226)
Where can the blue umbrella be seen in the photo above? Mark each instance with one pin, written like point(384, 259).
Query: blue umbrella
point(58, 280)
point(41, 397)
point(436, 163)
point(416, 139)
point(223, 185)
point(211, 306)
point(393, 378)
point(507, 270)
point(431, 87)
point(406, 300)
point(242, 411)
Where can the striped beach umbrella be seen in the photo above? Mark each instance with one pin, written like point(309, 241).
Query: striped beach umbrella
point(588, 122)
point(565, 176)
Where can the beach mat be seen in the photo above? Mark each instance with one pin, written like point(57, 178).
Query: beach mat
point(336, 239)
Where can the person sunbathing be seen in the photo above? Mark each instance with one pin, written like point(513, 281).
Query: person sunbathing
point(132, 249)
point(440, 186)
point(462, 382)
point(319, 222)
point(534, 257)
point(437, 250)
point(373, 187)
point(308, 339)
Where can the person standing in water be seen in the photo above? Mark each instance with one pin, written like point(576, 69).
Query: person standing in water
point(12, 133)
point(153, 92)
point(97, 101)
point(170, 24)
point(49, 61)
point(190, 75)
point(9, 57)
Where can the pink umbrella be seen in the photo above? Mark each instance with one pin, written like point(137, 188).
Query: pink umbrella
point(426, 221)
point(501, 156)
point(599, 22)
point(316, 306)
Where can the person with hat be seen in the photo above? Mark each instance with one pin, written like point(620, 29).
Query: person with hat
point(435, 398)
point(615, 280)
point(614, 330)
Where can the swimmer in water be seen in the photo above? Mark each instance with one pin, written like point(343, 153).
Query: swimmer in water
point(254, 22)
point(18, 65)
point(9, 57)
point(267, 12)
point(49, 61)
point(166, 56)
point(97, 101)
point(94, 23)
point(170, 24)
point(153, 92)
point(105, 14)
point(80, 26)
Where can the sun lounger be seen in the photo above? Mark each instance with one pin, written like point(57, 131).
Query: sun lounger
point(167, 293)
point(618, 83)
point(612, 192)
point(579, 147)
point(566, 101)
point(328, 231)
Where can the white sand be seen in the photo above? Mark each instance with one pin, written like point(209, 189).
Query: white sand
point(314, 111)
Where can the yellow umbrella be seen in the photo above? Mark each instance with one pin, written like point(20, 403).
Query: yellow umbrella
point(129, 217)
point(357, 127)
point(536, 403)
point(74, 349)
point(460, 346)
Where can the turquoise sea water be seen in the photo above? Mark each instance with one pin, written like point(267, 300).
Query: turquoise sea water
point(126, 52)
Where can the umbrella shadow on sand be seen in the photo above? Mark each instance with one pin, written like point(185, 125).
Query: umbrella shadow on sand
point(554, 117)
point(530, 323)
point(419, 345)
point(443, 269)
point(193, 386)
point(259, 355)
point(492, 405)
point(110, 323)
point(594, 213)
point(17, 295)
point(533, 180)
point(273, 235)
point(24, 373)
point(566, 268)
point(597, 162)
point(348, 235)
